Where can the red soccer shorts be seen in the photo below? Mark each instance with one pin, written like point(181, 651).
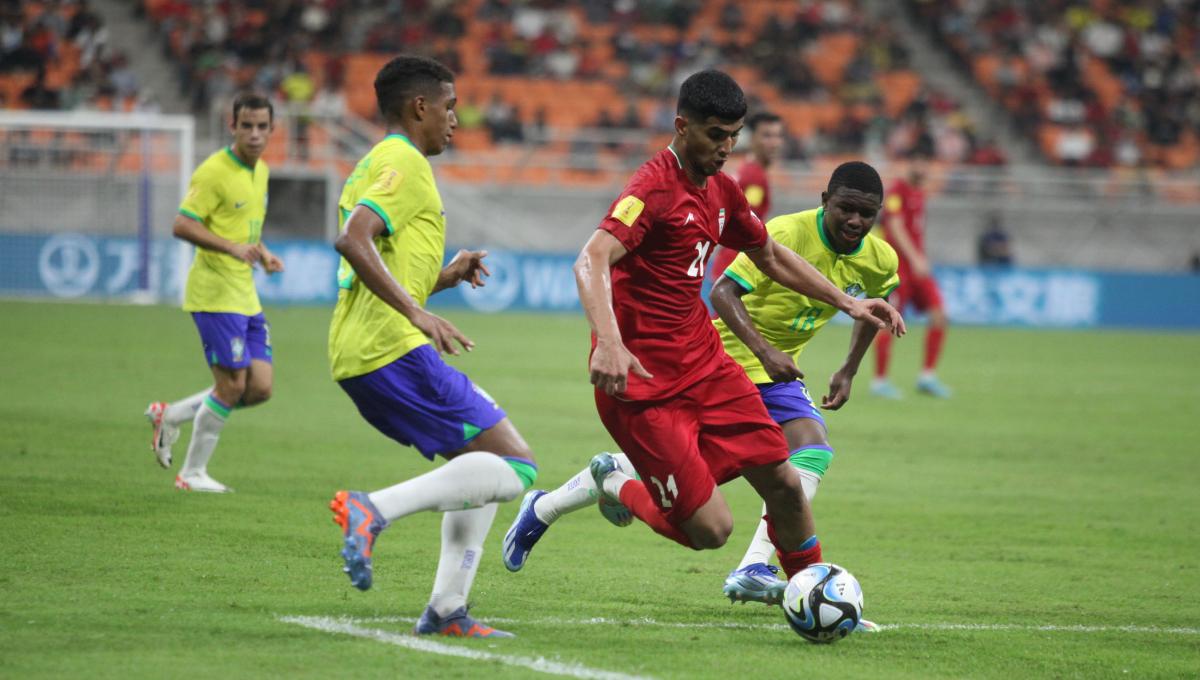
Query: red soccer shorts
point(705, 435)
point(921, 293)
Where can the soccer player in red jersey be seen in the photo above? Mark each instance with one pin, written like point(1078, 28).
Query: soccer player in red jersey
point(766, 143)
point(680, 408)
point(904, 227)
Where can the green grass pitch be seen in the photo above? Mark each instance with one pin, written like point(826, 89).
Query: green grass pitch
point(1017, 530)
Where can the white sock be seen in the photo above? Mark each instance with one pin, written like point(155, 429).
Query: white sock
point(927, 374)
point(179, 412)
point(578, 493)
point(206, 430)
point(463, 533)
point(470, 480)
point(761, 549)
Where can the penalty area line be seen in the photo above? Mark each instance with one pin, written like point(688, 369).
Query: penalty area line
point(735, 625)
point(345, 626)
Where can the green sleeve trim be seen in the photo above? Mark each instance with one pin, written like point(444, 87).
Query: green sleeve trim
point(740, 281)
point(815, 460)
point(189, 213)
point(525, 470)
point(889, 290)
point(216, 406)
point(387, 224)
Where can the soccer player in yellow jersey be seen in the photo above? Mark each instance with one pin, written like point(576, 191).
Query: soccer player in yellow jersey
point(385, 350)
point(764, 326)
point(222, 215)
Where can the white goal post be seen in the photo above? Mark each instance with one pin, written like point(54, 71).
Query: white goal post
point(87, 200)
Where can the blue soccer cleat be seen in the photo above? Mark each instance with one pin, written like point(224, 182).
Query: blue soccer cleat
point(458, 623)
point(885, 390)
point(603, 465)
point(756, 582)
point(361, 523)
point(930, 385)
point(524, 533)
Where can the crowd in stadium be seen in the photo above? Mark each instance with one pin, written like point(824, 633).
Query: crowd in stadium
point(56, 55)
point(1099, 83)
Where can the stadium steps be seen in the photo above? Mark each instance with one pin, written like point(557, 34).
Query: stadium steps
point(138, 41)
point(937, 70)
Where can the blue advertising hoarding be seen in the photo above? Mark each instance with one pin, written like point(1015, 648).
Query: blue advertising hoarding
point(70, 266)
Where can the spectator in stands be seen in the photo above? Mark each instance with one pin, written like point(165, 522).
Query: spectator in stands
point(38, 95)
point(500, 117)
point(1194, 263)
point(994, 247)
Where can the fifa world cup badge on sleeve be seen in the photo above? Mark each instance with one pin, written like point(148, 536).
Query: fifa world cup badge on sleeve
point(628, 210)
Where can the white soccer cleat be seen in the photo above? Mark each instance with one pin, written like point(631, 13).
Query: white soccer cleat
point(200, 481)
point(165, 434)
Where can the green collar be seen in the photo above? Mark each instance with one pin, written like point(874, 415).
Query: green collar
point(234, 156)
point(825, 237)
point(397, 135)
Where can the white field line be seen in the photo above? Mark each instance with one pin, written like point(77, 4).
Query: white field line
point(540, 664)
point(733, 625)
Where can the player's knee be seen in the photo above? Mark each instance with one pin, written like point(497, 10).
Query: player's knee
point(256, 394)
point(710, 535)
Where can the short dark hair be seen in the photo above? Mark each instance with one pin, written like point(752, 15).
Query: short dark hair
point(760, 118)
point(252, 101)
point(856, 175)
point(711, 94)
point(405, 77)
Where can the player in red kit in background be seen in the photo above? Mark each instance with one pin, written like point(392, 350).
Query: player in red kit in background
point(904, 227)
point(766, 144)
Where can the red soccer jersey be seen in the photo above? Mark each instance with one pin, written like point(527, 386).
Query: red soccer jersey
point(908, 201)
point(753, 179)
point(670, 227)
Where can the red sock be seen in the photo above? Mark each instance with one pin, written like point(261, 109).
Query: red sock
point(635, 497)
point(933, 347)
point(794, 561)
point(883, 353)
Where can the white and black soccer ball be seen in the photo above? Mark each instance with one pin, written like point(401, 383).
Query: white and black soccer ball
point(823, 603)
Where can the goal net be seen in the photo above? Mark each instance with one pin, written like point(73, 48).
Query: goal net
point(86, 204)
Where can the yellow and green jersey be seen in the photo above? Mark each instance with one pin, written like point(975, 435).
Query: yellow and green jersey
point(787, 319)
point(230, 199)
point(396, 182)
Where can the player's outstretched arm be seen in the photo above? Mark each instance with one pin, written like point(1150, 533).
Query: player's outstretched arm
point(466, 265)
point(842, 379)
point(612, 361)
point(195, 233)
point(726, 299)
point(356, 243)
point(791, 270)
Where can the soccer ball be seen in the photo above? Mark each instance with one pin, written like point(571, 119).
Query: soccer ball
point(823, 603)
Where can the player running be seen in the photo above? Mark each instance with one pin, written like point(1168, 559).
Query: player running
point(904, 225)
point(764, 327)
point(222, 215)
point(766, 143)
point(687, 418)
point(385, 348)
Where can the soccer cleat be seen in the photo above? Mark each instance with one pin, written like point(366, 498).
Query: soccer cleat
point(361, 523)
point(865, 626)
point(524, 533)
point(886, 390)
point(164, 435)
point(199, 481)
point(755, 583)
point(458, 623)
point(603, 465)
point(933, 387)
